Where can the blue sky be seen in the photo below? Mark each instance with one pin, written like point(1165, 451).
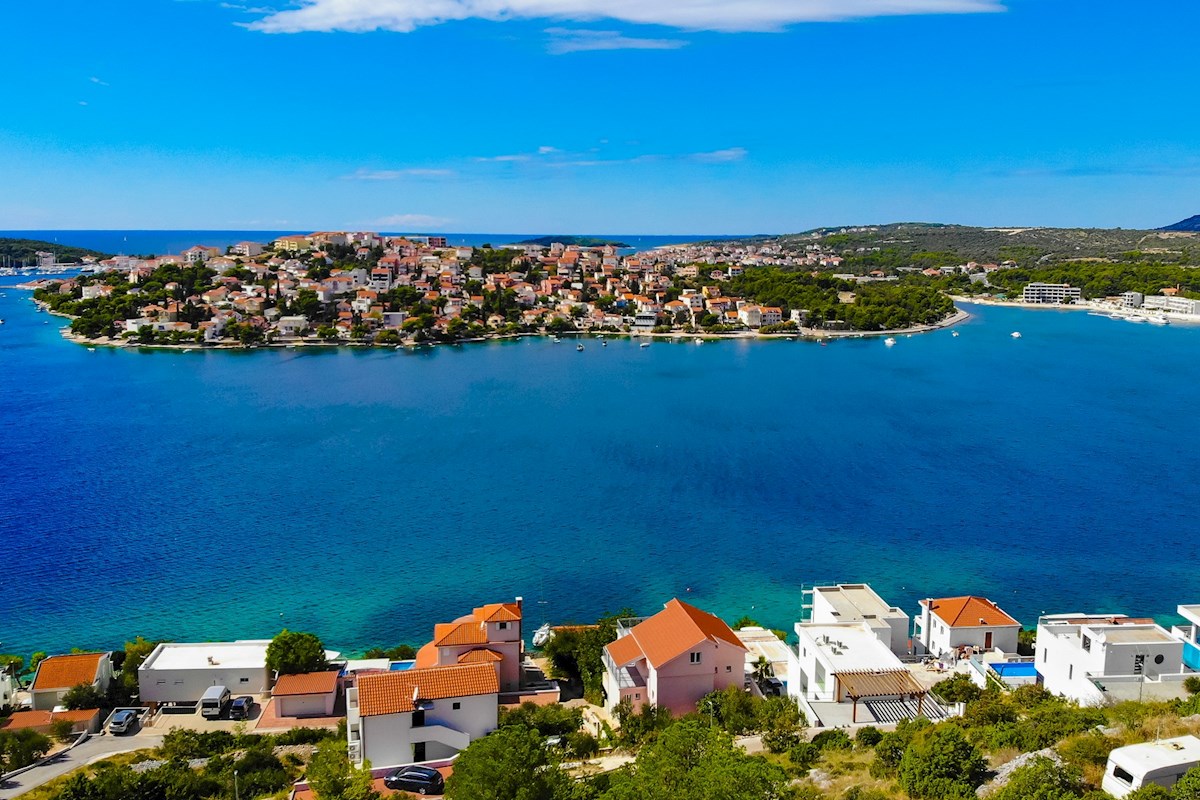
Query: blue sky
point(597, 116)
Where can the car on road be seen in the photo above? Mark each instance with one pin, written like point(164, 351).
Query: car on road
point(122, 721)
point(241, 707)
point(771, 687)
point(422, 780)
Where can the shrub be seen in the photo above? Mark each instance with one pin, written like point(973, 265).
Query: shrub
point(582, 744)
point(804, 755)
point(832, 739)
point(941, 765)
point(551, 720)
point(957, 689)
point(1041, 779)
point(63, 730)
point(1088, 749)
point(1192, 684)
point(867, 737)
point(1150, 791)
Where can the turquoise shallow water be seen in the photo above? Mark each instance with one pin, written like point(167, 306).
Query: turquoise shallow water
point(367, 494)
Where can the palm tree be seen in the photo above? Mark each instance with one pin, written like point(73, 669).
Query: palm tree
point(762, 669)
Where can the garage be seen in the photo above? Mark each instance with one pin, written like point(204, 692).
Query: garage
point(312, 694)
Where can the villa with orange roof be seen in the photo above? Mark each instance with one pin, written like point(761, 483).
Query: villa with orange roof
point(490, 634)
point(414, 715)
point(949, 624)
point(672, 659)
point(57, 675)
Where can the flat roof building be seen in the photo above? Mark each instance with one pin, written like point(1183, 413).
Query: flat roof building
point(180, 673)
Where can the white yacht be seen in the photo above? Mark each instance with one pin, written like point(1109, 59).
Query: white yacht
point(1158, 319)
point(890, 341)
point(542, 635)
point(644, 344)
point(954, 334)
point(1015, 334)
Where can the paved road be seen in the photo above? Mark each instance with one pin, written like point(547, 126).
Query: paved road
point(94, 749)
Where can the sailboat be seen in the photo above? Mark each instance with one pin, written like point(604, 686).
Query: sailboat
point(542, 635)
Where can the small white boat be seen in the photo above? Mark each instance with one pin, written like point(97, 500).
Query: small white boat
point(698, 340)
point(890, 341)
point(579, 348)
point(1158, 319)
point(1, 322)
point(557, 340)
point(1015, 334)
point(91, 349)
point(398, 347)
point(542, 635)
point(604, 343)
point(187, 349)
point(644, 344)
point(954, 334)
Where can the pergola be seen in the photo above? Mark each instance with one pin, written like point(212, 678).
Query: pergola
point(866, 684)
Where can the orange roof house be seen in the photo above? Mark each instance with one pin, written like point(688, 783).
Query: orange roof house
point(56, 675)
point(672, 659)
point(495, 627)
point(311, 694)
point(416, 715)
point(950, 624)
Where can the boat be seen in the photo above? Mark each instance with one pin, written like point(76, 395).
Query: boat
point(1015, 334)
point(954, 334)
point(91, 349)
point(579, 347)
point(557, 340)
point(644, 344)
point(889, 341)
point(542, 635)
point(1158, 319)
point(187, 349)
point(1, 322)
point(698, 340)
point(604, 343)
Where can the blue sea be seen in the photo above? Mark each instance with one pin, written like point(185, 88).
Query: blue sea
point(366, 494)
point(161, 242)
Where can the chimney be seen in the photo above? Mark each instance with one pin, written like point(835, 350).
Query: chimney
point(520, 603)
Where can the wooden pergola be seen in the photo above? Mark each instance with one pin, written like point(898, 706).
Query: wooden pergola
point(867, 684)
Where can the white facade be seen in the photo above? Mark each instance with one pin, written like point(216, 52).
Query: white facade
point(826, 649)
point(1176, 305)
point(1132, 299)
point(858, 602)
point(1051, 293)
point(179, 673)
point(945, 626)
point(1093, 659)
point(448, 726)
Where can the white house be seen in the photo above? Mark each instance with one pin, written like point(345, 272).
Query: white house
point(1050, 293)
point(292, 326)
point(1094, 658)
point(415, 715)
point(948, 624)
point(848, 662)
point(248, 249)
point(57, 675)
point(858, 602)
point(179, 673)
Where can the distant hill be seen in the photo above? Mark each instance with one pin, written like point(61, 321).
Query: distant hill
point(26, 250)
point(577, 241)
point(1189, 224)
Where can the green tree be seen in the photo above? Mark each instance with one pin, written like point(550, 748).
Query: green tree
point(1187, 787)
point(692, 761)
point(84, 695)
point(13, 665)
point(941, 765)
point(1042, 779)
point(510, 764)
point(332, 777)
point(957, 689)
point(292, 653)
point(1151, 791)
point(551, 720)
point(21, 747)
point(63, 730)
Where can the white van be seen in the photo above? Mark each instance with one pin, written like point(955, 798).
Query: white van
point(214, 702)
point(1163, 763)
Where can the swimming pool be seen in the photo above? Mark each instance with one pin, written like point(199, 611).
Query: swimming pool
point(1015, 669)
point(400, 666)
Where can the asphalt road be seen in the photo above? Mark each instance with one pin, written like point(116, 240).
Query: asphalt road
point(94, 749)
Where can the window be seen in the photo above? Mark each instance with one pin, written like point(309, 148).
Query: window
point(694, 657)
point(1158, 659)
point(728, 668)
point(456, 706)
point(1071, 672)
point(418, 718)
point(1122, 776)
point(1045, 656)
point(243, 680)
point(503, 626)
point(1087, 644)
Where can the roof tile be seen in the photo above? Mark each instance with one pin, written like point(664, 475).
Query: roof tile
point(63, 672)
point(393, 692)
point(306, 683)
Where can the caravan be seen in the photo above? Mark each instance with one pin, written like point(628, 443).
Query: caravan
point(1162, 763)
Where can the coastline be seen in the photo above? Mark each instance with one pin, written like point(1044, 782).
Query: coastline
point(807, 334)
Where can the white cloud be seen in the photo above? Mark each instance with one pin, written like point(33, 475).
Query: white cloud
point(710, 15)
point(564, 40)
point(83, 102)
point(409, 222)
point(546, 150)
point(397, 174)
point(721, 156)
point(506, 157)
point(97, 81)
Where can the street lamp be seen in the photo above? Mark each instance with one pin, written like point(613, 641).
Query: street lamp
point(235, 785)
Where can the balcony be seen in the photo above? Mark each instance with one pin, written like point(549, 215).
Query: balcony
point(441, 734)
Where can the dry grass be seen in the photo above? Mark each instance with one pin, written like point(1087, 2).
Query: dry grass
point(847, 768)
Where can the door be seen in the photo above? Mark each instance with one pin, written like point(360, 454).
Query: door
point(987, 641)
point(419, 752)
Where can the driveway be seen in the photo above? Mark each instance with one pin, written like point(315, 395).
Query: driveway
point(94, 749)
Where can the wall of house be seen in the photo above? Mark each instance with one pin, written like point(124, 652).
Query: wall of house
point(306, 705)
point(388, 739)
point(679, 684)
point(946, 639)
point(812, 668)
point(188, 685)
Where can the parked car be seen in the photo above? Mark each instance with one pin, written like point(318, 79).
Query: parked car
point(122, 722)
point(241, 707)
point(215, 702)
point(422, 780)
point(771, 687)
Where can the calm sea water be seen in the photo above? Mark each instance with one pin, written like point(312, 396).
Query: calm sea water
point(365, 495)
point(163, 242)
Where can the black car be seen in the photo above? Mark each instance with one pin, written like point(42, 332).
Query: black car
point(771, 687)
point(421, 780)
point(240, 707)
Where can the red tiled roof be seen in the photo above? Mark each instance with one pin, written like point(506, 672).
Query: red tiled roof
point(42, 719)
point(454, 633)
point(63, 672)
point(624, 650)
point(499, 612)
point(480, 656)
point(676, 629)
point(970, 612)
point(307, 683)
point(393, 692)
